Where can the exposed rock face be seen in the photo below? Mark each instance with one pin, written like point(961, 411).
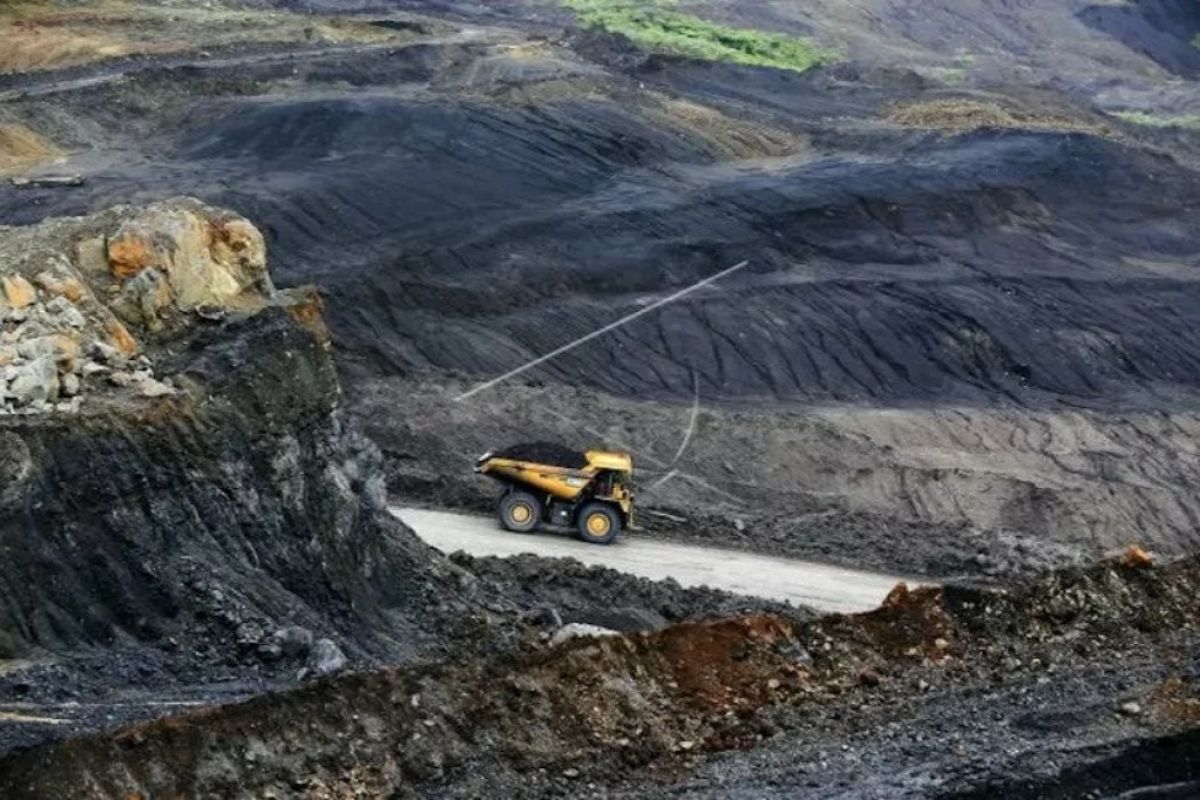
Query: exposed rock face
point(75, 286)
point(206, 256)
point(198, 508)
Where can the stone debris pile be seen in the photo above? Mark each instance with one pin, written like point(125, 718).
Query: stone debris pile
point(85, 302)
point(49, 360)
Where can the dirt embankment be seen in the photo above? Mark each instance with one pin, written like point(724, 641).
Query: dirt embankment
point(38, 35)
point(562, 591)
point(608, 710)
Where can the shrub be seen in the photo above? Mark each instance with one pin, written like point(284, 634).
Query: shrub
point(655, 25)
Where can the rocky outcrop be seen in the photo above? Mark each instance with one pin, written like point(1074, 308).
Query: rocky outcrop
point(73, 289)
point(174, 471)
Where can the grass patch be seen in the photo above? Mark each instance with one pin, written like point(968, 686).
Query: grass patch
point(1189, 121)
point(656, 25)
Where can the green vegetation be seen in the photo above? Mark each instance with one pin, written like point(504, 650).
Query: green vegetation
point(655, 25)
point(1190, 121)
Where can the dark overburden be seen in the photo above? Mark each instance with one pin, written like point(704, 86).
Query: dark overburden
point(545, 453)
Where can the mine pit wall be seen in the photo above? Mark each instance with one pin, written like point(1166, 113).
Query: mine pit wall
point(625, 702)
point(242, 501)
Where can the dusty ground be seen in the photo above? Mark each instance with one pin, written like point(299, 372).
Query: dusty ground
point(186, 516)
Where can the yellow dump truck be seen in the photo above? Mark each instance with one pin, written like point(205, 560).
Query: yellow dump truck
point(543, 483)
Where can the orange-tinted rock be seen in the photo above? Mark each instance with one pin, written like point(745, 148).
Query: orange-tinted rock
point(309, 311)
point(237, 243)
point(129, 254)
point(210, 257)
point(20, 292)
point(1134, 557)
point(61, 286)
point(66, 351)
point(121, 338)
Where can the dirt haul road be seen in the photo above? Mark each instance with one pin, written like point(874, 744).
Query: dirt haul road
point(805, 583)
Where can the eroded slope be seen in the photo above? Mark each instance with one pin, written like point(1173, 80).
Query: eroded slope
point(778, 709)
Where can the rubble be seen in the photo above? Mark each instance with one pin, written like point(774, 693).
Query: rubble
point(33, 382)
point(618, 709)
point(61, 305)
point(18, 291)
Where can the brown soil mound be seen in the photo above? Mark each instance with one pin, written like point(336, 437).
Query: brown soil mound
point(21, 149)
point(26, 46)
point(960, 115)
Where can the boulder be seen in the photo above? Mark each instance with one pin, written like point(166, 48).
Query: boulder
point(64, 311)
point(144, 298)
point(61, 285)
point(294, 641)
point(149, 387)
point(578, 630)
point(62, 349)
point(104, 353)
point(208, 256)
point(325, 658)
point(19, 292)
point(35, 382)
point(120, 338)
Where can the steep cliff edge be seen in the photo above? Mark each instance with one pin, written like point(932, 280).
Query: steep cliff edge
point(174, 468)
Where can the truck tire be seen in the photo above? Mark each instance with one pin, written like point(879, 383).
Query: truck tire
point(598, 523)
point(520, 511)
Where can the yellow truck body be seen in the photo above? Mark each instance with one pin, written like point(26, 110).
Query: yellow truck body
point(565, 495)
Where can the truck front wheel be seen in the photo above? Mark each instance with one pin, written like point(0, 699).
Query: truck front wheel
point(520, 512)
point(599, 523)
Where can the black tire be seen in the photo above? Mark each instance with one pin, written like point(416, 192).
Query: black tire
point(520, 512)
point(598, 523)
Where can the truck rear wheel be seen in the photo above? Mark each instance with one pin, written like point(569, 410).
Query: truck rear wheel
point(599, 523)
point(520, 512)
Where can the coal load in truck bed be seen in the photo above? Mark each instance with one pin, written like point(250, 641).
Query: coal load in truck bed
point(545, 453)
